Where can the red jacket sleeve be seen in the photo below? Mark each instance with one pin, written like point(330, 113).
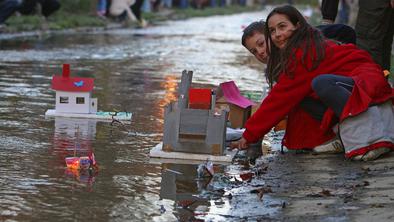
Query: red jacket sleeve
point(284, 96)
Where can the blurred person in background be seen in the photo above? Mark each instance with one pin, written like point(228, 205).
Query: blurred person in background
point(48, 7)
point(26, 7)
point(374, 27)
point(7, 8)
point(101, 8)
point(127, 9)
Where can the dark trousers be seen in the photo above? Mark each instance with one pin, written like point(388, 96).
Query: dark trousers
point(329, 9)
point(333, 91)
point(47, 7)
point(339, 32)
point(375, 29)
point(7, 8)
point(136, 9)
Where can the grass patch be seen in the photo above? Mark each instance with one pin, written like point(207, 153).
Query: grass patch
point(60, 20)
point(23, 23)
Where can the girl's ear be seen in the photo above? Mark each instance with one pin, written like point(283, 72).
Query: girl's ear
point(298, 25)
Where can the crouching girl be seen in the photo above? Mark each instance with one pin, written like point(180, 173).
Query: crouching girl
point(338, 84)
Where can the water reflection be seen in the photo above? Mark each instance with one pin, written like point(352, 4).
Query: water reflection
point(135, 71)
point(170, 86)
point(73, 138)
point(179, 183)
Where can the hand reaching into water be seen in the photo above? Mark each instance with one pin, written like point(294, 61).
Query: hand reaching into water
point(241, 144)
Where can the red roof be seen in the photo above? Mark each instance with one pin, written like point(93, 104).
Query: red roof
point(71, 84)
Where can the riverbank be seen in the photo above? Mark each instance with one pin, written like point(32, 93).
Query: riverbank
point(64, 20)
point(329, 188)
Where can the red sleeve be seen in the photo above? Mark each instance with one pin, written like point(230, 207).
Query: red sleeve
point(284, 96)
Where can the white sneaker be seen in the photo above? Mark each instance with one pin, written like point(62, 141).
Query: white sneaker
point(332, 146)
point(372, 154)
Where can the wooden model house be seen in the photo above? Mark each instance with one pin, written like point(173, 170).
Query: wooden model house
point(239, 107)
point(191, 125)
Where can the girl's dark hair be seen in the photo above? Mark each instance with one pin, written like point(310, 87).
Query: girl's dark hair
point(305, 37)
point(251, 29)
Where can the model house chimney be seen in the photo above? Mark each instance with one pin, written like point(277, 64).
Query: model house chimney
point(66, 70)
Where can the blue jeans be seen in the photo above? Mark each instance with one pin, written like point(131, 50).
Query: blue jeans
point(102, 5)
point(334, 92)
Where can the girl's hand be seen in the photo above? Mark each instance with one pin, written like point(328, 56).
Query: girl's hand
point(241, 144)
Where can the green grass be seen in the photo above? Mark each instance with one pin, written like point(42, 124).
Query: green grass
point(23, 23)
point(58, 21)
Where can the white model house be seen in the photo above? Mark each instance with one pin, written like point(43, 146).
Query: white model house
point(73, 94)
point(74, 99)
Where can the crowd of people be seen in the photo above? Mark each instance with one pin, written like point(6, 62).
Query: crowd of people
point(335, 95)
point(130, 10)
point(119, 10)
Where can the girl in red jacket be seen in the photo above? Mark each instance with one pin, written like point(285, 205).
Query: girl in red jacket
point(305, 70)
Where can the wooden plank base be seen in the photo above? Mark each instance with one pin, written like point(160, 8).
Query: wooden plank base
point(157, 152)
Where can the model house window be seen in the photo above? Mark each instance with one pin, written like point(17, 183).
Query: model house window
point(80, 100)
point(63, 99)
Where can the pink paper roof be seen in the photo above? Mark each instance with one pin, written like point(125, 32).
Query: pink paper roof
point(233, 96)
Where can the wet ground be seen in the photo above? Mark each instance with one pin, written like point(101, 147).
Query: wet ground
point(138, 71)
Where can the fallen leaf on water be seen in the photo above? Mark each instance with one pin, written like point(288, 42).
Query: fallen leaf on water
point(261, 191)
point(186, 203)
point(246, 176)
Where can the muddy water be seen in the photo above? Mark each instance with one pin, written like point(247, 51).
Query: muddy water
point(136, 71)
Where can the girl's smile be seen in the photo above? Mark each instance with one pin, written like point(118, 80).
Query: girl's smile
point(280, 29)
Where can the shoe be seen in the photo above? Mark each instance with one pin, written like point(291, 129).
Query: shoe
point(372, 154)
point(332, 146)
point(142, 23)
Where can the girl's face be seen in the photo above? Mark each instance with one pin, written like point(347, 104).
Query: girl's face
point(257, 46)
point(280, 29)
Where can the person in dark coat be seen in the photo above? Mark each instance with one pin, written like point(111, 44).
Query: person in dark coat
point(48, 7)
point(8, 8)
point(374, 27)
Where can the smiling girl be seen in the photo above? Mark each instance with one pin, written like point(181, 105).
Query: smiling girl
point(303, 66)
